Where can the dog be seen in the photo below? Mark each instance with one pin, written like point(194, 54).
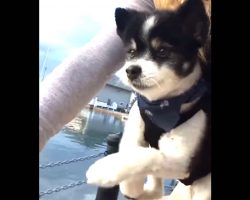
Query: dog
point(167, 134)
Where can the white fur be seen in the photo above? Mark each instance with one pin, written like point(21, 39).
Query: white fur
point(166, 83)
point(199, 190)
point(148, 25)
point(135, 162)
point(133, 44)
point(131, 127)
point(182, 142)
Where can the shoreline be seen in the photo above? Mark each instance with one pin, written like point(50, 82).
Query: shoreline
point(77, 124)
point(119, 115)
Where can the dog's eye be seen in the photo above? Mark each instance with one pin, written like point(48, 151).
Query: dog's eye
point(131, 53)
point(162, 53)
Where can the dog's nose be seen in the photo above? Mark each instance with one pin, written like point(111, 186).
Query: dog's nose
point(133, 72)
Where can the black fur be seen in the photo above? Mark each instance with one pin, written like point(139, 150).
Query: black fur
point(186, 30)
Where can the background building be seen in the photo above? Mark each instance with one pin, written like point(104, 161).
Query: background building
point(115, 91)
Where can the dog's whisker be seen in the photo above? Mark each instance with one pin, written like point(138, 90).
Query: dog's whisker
point(158, 85)
point(148, 76)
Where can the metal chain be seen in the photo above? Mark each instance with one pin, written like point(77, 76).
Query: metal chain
point(58, 189)
point(59, 163)
point(71, 185)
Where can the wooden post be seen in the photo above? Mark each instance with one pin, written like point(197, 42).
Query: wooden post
point(113, 141)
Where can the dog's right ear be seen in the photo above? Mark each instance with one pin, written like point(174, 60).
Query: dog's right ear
point(194, 20)
point(122, 18)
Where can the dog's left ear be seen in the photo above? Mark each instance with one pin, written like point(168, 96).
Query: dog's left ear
point(122, 18)
point(195, 21)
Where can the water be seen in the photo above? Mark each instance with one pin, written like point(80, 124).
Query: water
point(67, 145)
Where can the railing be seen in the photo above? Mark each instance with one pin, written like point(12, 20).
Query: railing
point(71, 185)
point(102, 193)
point(113, 141)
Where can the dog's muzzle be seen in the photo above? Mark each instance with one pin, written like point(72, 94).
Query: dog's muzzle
point(133, 72)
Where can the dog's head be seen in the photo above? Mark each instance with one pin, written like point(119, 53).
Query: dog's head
point(162, 48)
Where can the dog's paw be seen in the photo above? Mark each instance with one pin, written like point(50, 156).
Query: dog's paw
point(106, 172)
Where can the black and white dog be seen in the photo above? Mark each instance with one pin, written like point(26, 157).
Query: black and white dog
point(167, 134)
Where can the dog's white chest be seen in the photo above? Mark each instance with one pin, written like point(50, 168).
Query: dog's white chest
point(183, 141)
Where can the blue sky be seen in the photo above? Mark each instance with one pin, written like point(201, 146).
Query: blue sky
point(65, 25)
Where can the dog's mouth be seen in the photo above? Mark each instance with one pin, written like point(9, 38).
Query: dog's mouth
point(144, 83)
point(139, 85)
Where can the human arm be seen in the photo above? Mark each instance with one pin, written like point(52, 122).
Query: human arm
point(76, 80)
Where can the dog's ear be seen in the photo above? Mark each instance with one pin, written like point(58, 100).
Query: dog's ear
point(195, 21)
point(122, 18)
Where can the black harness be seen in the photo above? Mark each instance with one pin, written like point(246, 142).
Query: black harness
point(161, 116)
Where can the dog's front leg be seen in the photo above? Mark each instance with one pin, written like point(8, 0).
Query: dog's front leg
point(117, 167)
point(153, 189)
point(176, 150)
point(133, 137)
point(111, 170)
